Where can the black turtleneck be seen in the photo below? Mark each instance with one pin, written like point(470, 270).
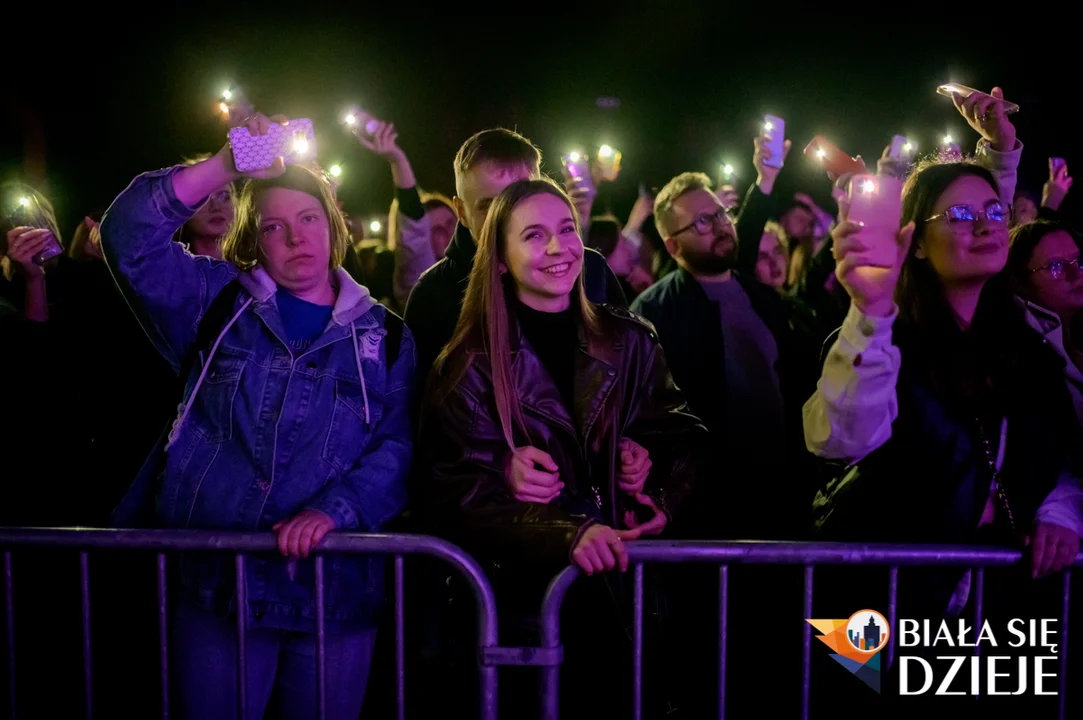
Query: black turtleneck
point(554, 337)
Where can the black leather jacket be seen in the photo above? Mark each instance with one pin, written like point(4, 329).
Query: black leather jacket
point(462, 450)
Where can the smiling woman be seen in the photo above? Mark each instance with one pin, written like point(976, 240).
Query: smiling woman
point(527, 407)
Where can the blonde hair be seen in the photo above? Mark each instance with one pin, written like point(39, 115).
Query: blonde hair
point(502, 147)
point(241, 245)
point(668, 195)
point(486, 318)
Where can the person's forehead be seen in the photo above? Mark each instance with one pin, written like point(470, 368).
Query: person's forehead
point(1057, 244)
point(968, 189)
point(697, 201)
point(487, 179)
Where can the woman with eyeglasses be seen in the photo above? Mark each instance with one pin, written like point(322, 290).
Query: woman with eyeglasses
point(946, 412)
point(1047, 272)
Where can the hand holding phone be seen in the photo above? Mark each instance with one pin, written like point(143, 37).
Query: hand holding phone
point(361, 123)
point(608, 163)
point(294, 142)
point(950, 89)
point(774, 134)
point(577, 167)
point(26, 212)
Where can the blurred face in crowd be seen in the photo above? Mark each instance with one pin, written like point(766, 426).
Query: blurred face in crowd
point(294, 239)
point(772, 261)
point(964, 251)
point(1024, 210)
point(442, 223)
point(799, 223)
point(1055, 281)
point(480, 185)
point(215, 217)
point(702, 238)
point(543, 251)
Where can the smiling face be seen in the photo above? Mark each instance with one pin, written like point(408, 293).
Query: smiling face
point(543, 252)
point(960, 250)
point(294, 239)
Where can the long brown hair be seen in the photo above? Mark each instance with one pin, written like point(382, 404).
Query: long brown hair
point(486, 319)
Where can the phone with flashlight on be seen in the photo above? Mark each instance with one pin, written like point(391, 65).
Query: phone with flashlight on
point(27, 211)
point(949, 89)
point(295, 142)
point(359, 122)
point(833, 160)
point(875, 203)
point(609, 163)
point(577, 166)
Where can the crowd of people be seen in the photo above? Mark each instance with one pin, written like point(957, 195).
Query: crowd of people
point(543, 383)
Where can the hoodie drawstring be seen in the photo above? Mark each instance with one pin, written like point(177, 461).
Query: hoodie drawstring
point(360, 374)
point(175, 430)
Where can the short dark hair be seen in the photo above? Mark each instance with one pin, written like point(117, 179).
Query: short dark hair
point(499, 146)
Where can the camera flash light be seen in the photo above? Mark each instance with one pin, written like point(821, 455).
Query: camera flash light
point(227, 94)
point(605, 151)
point(300, 143)
point(727, 169)
point(351, 119)
point(24, 201)
point(375, 226)
point(947, 139)
point(335, 170)
point(821, 153)
point(868, 186)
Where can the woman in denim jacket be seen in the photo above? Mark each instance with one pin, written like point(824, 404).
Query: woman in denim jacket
point(295, 419)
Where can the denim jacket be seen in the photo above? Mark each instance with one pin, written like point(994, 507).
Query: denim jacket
point(263, 434)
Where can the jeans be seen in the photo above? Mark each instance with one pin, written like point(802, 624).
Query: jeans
point(281, 666)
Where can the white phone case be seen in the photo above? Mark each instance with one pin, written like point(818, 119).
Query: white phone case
point(295, 142)
point(776, 136)
point(876, 204)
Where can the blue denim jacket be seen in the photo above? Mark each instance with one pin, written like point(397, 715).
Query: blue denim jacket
point(262, 434)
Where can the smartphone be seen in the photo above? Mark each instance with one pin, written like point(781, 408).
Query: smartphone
point(295, 142)
point(948, 89)
point(27, 212)
point(360, 121)
point(833, 159)
point(1056, 164)
point(774, 130)
point(578, 166)
point(876, 204)
point(609, 162)
point(902, 148)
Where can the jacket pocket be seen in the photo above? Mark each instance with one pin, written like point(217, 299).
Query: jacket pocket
point(214, 420)
point(348, 433)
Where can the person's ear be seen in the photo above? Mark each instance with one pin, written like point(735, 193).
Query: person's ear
point(919, 252)
point(672, 246)
point(460, 209)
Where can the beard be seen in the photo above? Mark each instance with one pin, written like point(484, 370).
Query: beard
point(721, 257)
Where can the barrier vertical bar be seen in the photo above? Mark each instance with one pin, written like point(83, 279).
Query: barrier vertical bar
point(163, 634)
point(892, 613)
point(977, 587)
point(321, 644)
point(723, 626)
point(550, 635)
point(1065, 607)
point(806, 645)
point(9, 633)
point(637, 644)
point(400, 641)
point(88, 659)
point(242, 644)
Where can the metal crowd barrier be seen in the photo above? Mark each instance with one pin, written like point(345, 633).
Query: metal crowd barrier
point(725, 554)
point(246, 543)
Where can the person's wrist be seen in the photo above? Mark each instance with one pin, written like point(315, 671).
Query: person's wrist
point(880, 308)
point(34, 276)
point(764, 183)
point(1003, 142)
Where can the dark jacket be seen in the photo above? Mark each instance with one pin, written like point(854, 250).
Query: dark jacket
point(462, 449)
point(930, 481)
point(433, 309)
point(690, 329)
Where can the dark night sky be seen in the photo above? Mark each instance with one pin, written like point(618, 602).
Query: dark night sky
point(693, 85)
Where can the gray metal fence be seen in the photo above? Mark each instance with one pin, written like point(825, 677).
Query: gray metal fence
point(242, 544)
point(809, 555)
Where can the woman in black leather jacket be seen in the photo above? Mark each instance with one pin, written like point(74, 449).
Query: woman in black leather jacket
point(539, 384)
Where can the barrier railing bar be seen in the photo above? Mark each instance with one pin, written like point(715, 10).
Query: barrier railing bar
point(262, 542)
point(321, 643)
point(806, 644)
point(892, 613)
point(242, 644)
point(549, 622)
point(1065, 607)
point(400, 641)
point(9, 633)
point(637, 642)
point(163, 633)
point(723, 626)
point(88, 658)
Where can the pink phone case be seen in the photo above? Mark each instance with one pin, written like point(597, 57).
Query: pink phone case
point(295, 142)
point(876, 203)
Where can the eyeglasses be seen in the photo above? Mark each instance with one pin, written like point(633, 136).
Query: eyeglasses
point(959, 216)
point(1060, 269)
point(705, 223)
